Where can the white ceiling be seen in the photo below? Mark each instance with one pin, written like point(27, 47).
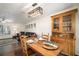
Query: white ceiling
point(14, 11)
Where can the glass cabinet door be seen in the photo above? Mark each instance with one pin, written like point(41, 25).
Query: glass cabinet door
point(56, 24)
point(67, 25)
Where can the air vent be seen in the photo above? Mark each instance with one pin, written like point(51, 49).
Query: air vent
point(34, 4)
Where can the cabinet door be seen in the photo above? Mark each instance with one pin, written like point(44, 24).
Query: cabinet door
point(71, 47)
point(66, 47)
point(67, 23)
point(56, 24)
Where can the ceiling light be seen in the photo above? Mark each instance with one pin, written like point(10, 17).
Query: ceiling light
point(36, 12)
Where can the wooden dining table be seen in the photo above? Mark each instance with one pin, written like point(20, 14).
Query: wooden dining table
point(38, 48)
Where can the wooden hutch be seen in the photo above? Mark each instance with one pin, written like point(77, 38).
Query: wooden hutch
point(63, 28)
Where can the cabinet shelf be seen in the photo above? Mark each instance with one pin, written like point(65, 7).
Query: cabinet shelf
point(67, 26)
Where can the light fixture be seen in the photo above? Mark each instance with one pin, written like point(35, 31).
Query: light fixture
point(33, 9)
point(35, 12)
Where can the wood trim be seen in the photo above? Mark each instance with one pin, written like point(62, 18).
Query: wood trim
point(67, 12)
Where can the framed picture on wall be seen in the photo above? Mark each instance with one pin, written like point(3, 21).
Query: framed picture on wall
point(1, 29)
point(31, 25)
point(34, 25)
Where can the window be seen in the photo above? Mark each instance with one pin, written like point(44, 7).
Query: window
point(4, 30)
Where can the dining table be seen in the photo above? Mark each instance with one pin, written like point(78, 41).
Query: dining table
point(38, 48)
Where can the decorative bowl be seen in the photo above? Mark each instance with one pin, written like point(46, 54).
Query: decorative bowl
point(50, 45)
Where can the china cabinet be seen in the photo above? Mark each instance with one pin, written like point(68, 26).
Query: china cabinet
point(63, 28)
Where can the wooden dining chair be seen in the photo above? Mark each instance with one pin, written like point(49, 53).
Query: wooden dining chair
point(27, 51)
point(45, 36)
point(23, 40)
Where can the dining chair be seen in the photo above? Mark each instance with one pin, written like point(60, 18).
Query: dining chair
point(23, 40)
point(45, 36)
point(25, 48)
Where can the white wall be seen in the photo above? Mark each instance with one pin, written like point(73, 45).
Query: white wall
point(42, 25)
point(77, 31)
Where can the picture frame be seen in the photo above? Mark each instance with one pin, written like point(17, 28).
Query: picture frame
point(34, 25)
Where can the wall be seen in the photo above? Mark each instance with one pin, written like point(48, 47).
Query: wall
point(41, 26)
point(77, 31)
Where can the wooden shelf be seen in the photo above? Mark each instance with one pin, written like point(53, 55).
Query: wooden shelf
point(61, 32)
point(67, 26)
